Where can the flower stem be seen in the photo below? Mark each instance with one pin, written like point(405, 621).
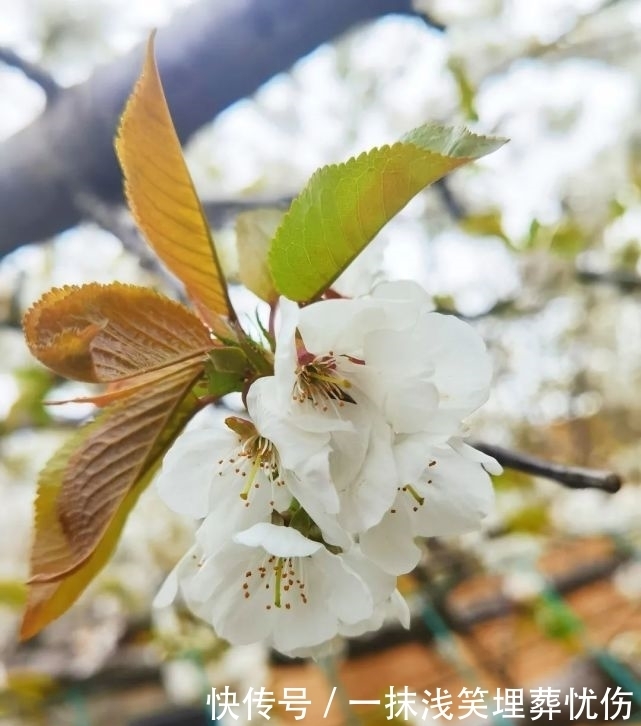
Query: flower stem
point(329, 666)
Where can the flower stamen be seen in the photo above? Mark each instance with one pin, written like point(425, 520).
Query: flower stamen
point(282, 574)
point(278, 570)
point(254, 454)
point(319, 382)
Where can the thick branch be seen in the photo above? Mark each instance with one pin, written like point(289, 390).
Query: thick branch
point(574, 477)
point(214, 53)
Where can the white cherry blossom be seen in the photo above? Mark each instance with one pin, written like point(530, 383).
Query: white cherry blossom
point(273, 584)
point(234, 476)
point(352, 449)
point(360, 373)
point(445, 491)
point(423, 370)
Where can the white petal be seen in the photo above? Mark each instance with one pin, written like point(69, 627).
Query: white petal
point(168, 591)
point(349, 598)
point(390, 543)
point(285, 359)
point(239, 619)
point(279, 541)
point(394, 352)
point(459, 496)
point(407, 293)
point(333, 532)
point(369, 492)
point(311, 623)
point(364, 272)
point(184, 571)
point(462, 367)
point(489, 463)
point(218, 593)
point(219, 572)
point(304, 628)
point(330, 648)
point(412, 406)
point(379, 583)
point(277, 424)
point(233, 515)
point(338, 325)
point(392, 607)
point(312, 486)
point(189, 467)
point(400, 609)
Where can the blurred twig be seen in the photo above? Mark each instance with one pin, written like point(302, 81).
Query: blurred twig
point(114, 218)
point(625, 280)
point(451, 202)
point(504, 307)
point(430, 20)
point(563, 44)
point(574, 477)
point(32, 71)
point(220, 211)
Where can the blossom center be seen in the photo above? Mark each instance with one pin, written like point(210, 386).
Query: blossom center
point(255, 458)
point(414, 498)
point(281, 577)
point(319, 381)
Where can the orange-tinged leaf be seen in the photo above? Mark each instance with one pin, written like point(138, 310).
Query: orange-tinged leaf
point(105, 333)
point(162, 197)
point(82, 487)
point(125, 387)
point(48, 599)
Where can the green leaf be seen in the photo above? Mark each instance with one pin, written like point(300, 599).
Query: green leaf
point(254, 232)
point(568, 239)
point(226, 371)
point(260, 359)
point(344, 206)
point(229, 359)
point(486, 224)
point(467, 93)
point(533, 519)
point(34, 383)
point(13, 593)
point(555, 618)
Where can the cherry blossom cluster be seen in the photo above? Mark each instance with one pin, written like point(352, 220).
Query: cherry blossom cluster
point(311, 503)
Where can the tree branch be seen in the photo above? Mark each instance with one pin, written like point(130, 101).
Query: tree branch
point(116, 219)
point(32, 71)
point(625, 280)
point(221, 211)
point(213, 53)
point(451, 202)
point(574, 477)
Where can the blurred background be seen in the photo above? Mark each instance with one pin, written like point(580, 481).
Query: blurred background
point(538, 246)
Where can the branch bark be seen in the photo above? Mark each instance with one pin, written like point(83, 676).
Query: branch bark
point(625, 280)
point(32, 71)
point(214, 53)
point(573, 477)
